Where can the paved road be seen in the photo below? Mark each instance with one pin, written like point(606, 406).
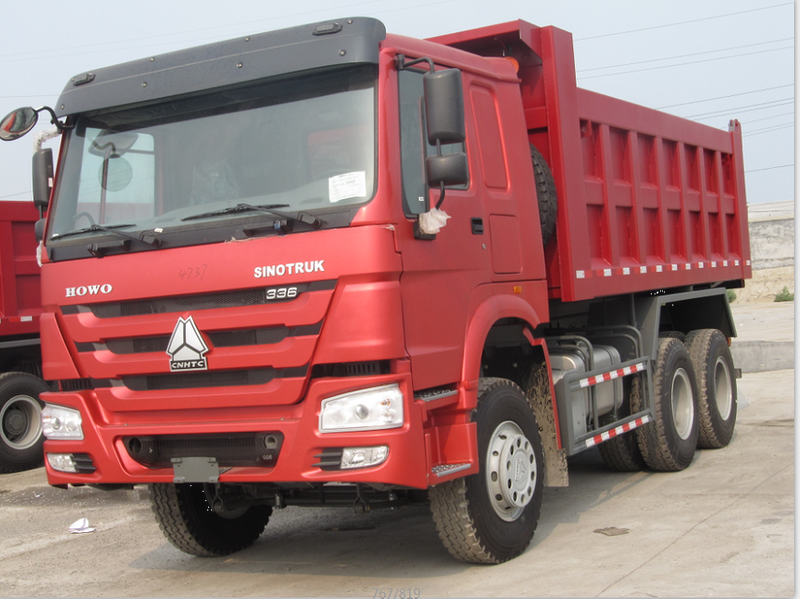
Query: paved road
point(723, 527)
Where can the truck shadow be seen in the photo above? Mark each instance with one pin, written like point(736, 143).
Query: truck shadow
point(381, 545)
point(591, 484)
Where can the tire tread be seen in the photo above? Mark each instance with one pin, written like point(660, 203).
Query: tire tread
point(658, 450)
point(622, 452)
point(175, 519)
point(700, 344)
point(450, 506)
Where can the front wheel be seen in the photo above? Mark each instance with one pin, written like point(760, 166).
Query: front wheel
point(187, 519)
point(490, 517)
point(21, 438)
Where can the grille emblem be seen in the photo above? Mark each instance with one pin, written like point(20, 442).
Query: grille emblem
point(186, 347)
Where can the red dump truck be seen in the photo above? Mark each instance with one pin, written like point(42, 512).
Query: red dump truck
point(20, 356)
point(328, 265)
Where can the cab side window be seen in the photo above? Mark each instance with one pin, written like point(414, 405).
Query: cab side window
point(414, 147)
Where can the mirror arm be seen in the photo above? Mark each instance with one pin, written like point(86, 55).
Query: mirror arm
point(53, 118)
point(441, 195)
point(401, 63)
point(441, 183)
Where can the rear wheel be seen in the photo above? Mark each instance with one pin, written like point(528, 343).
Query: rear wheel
point(21, 439)
point(668, 443)
point(622, 452)
point(187, 519)
point(716, 384)
point(490, 517)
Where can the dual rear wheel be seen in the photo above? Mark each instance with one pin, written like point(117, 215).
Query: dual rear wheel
point(694, 392)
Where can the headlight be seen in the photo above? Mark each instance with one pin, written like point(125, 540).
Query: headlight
point(61, 423)
point(365, 410)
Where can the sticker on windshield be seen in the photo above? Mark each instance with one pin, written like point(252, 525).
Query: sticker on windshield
point(348, 185)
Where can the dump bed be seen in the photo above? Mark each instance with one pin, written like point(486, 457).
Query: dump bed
point(20, 297)
point(646, 200)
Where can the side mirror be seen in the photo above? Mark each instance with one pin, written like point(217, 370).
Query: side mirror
point(444, 114)
point(444, 106)
point(42, 177)
point(450, 169)
point(17, 123)
point(38, 229)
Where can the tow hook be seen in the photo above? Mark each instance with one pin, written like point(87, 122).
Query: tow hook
point(360, 505)
point(218, 506)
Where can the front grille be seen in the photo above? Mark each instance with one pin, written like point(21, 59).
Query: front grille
point(189, 303)
point(346, 369)
point(229, 450)
point(263, 336)
point(210, 378)
point(75, 384)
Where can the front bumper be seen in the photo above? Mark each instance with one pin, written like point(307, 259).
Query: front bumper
point(105, 458)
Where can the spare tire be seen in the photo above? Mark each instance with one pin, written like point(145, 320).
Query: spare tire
point(545, 194)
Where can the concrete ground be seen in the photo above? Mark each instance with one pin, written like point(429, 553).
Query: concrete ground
point(765, 338)
point(723, 527)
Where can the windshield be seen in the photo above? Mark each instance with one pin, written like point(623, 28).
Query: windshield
point(299, 146)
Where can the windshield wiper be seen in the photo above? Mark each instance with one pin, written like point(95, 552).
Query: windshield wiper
point(148, 237)
point(233, 209)
point(95, 227)
point(303, 217)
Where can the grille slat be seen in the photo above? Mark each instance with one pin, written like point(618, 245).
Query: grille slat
point(184, 303)
point(265, 336)
point(210, 378)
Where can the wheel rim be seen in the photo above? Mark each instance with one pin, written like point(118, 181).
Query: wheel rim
point(682, 404)
point(21, 422)
point(511, 471)
point(723, 391)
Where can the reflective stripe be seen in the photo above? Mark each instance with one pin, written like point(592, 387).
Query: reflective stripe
point(610, 376)
point(624, 428)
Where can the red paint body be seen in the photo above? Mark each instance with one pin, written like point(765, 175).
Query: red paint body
point(646, 201)
point(20, 295)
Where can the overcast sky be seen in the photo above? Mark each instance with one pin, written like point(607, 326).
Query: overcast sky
point(710, 60)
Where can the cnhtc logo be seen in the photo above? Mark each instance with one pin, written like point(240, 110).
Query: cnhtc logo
point(186, 347)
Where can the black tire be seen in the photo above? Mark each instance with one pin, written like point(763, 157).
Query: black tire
point(190, 524)
point(21, 438)
point(673, 334)
point(490, 517)
point(668, 442)
point(545, 194)
point(622, 452)
point(716, 383)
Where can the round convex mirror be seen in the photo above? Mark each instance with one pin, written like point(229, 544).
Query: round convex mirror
point(17, 123)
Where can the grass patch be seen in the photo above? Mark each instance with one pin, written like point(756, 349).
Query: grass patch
point(785, 295)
